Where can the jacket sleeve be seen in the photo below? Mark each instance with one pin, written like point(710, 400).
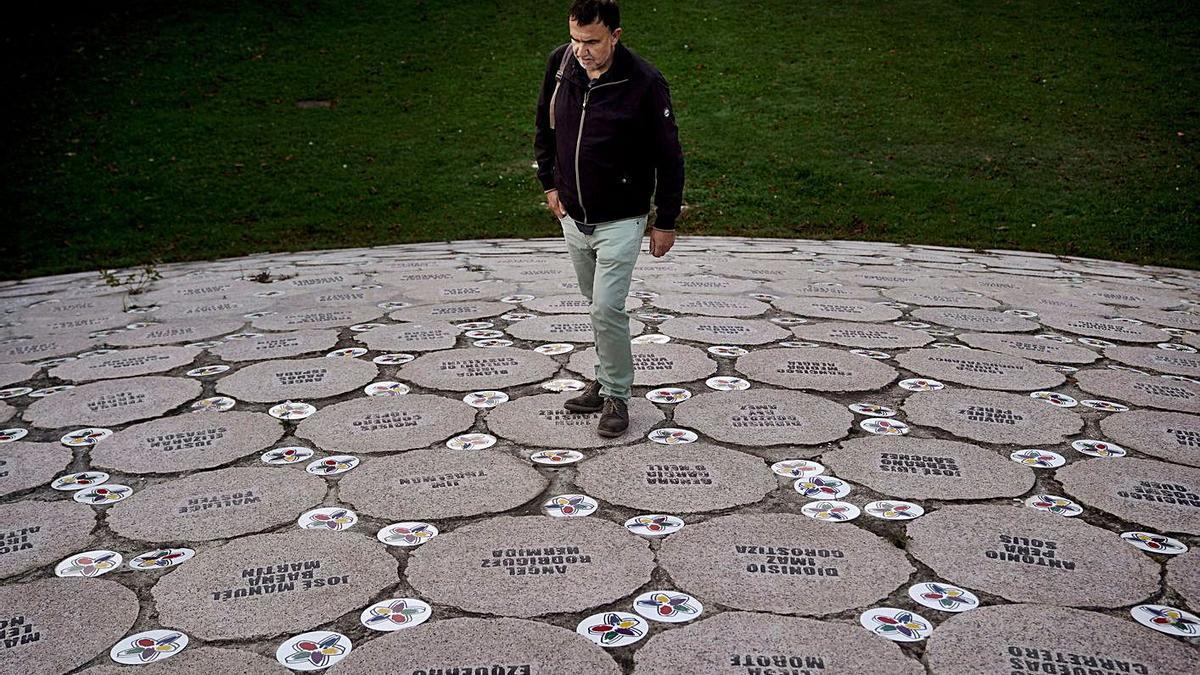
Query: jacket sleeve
point(667, 154)
point(543, 140)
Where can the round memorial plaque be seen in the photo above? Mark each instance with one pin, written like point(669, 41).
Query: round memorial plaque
point(1140, 389)
point(216, 504)
point(977, 368)
point(277, 345)
point(207, 660)
point(1026, 555)
point(765, 417)
point(992, 416)
point(272, 583)
point(306, 379)
point(861, 336)
point(654, 365)
point(982, 320)
point(478, 368)
point(34, 533)
point(1154, 358)
point(197, 440)
point(1030, 347)
point(816, 368)
point(431, 483)
point(318, 318)
point(838, 310)
point(454, 311)
point(783, 563)
point(1174, 437)
point(1182, 576)
point(531, 565)
point(1165, 497)
point(710, 305)
point(386, 423)
point(112, 402)
point(29, 465)
point(414, 337)
point(697, 477)
point(717, 330)
point(1098, 326)
point(1039, 638)
point(126, 363)
point(192, 330)
point(542, 421)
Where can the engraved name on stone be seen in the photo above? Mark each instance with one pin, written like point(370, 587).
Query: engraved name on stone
point(926, 465)
point(18, 540)
point(1028, 551)
point(201, 503)
point(280, 578)
point(763, 415)
point(1163, 493)
point(990, 415)
point(796, 561)
point(678, 474)
point(388, 420)
point(519, 562)
point(479, 367)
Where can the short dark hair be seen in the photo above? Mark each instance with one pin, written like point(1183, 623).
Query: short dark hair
point(586, 12)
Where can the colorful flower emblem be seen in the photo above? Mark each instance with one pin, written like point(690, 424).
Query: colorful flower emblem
point(894, 510)
point(10, 435)
point(103, 495)
point(316, 653)
point(562, 385)
point(831, 511)
point(214, 403)
point(570, 505)
point(514, 299)
point(160, 559)
point(817, 487)
point(78, 481)
point(920, 384)
point(554, 348)
point(348, 352)
point(484, 333)
point(286, 455)
point(332, 465)
point(1105, 406)
point(1037, 458)
point(1170, 618)
point(653, 525)
point(85, 437)
point(671, 436)
point(1098, 448)
point(1156, 543)
point(727, 383)
point(408, 534)
point(723, 350)
point(492, 343)
point(884, 427)
point(902, 623)
point(669, 606)
point(949, 598)
point(1054, 398)
point(147, 649)
point(668, 395)
point(872, 409)
point(12, 392)
point(485, 399)
point(556, 457)
point(386, 389)
point(207, 370)
point(90, 564)
point(471, 442)
point(797, 468)
point(393, 359)
point(616, 628)
point(871, 354)
point(336, 520)
point(397, 614)
point(1057, 505)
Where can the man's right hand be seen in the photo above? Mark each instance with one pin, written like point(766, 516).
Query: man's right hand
point(556, 206)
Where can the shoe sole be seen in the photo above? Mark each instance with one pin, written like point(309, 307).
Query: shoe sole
point(611, 434)
point(575, 408)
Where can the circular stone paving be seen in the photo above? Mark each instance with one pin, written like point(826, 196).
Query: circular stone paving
point(455, 311)
point(542, 420)
point(992, 416)
point(1138, 389)
point(1029, 347)
point(387, 423)
point(1164, 497)
point(676, 479)
point(1041, 639)
point(925, 468)
point(27, 465)
point(44, 633)
point(561, 328)
point(654, 365)
point(216, 504)
point(197, 440)
point(273, 583)
point(1174, 437)
point(530, 566)
point(112, 402)
point(35, 533)
point(1153, 358)
point(43, 348)
point(1098, 326)
point(478, 368)
point(406, 337)
point(783, 563)
point(764, 417)
point(724, 331)
point(981, 320)
point(1183, 575)
point(207, 660)
point(1025, 555)
point(816, 368)
point(284, 380)
point(838, 310)
point(192, 330)
point(710, 305)
point(431, 483)
point(125, 363)
point(737, 643)
point(277, 345)
point(977, 368)
point(863, 337)
point(481, 645)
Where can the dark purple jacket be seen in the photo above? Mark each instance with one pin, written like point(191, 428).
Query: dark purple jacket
point(611, 138)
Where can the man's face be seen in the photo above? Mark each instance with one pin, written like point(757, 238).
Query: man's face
point(593, 45)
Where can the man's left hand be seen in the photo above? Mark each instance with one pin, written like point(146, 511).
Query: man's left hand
point(661, 241)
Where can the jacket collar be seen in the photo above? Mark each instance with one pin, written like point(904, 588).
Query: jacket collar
point(621, 68)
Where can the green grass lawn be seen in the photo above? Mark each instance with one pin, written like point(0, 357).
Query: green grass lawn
point(171, 131)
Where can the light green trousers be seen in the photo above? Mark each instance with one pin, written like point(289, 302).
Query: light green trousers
point(604, 263)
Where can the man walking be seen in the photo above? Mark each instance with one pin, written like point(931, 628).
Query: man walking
point(606, 136)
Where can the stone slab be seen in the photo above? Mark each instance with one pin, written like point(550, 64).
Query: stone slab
point(672, 479)
point(1099, 326)
point(541, 420)
point(1143, 390)
point(109, 403)
point(783, 563)
point(196, 440)
point(451, 311)
point(737, 643)
point(207, 660)
point(26, 465)
point(561, 328)
point(44, 637)
point(205, 310)
point(386, 423)
point(1183, 575)
point(838, 310)
point(296, 379)
point(701, 283)
point(862, 336)
point(1025, 555)
point(478, 368)
point(1172, 436)
point(992, 416)
point(816, 368)
point(978, 368)
point(723, 330)
point(478, 645)
point(531, 566)
point(571, 303)
point(431, 483)
point(653, 364)
point(982, 320)
point(36, 533)
point(277, 345)
point(1122, 295)
point(125, 363)
point(762, 417)
point(1158, 317)
point(885, 278)
point(456, 291)
point(1043, 639)
point(317, 319)
point(174, 332)
point(810, 289)
point(270, 584)
point(1029, 347)
point(1164, 497)
point(938, 297)
point(334, 297)
point(410, 337)
point(13, 373)
point(44, 347)
point(1153, 358)
point(216, 504)
point(710, 304)
point(926, 468)
point(76, 325)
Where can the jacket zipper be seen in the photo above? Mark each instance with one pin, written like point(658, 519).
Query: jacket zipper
point(579, 139)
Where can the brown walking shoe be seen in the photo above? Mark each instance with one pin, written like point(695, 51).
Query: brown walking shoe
point(587, 402)
point(615, 418)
